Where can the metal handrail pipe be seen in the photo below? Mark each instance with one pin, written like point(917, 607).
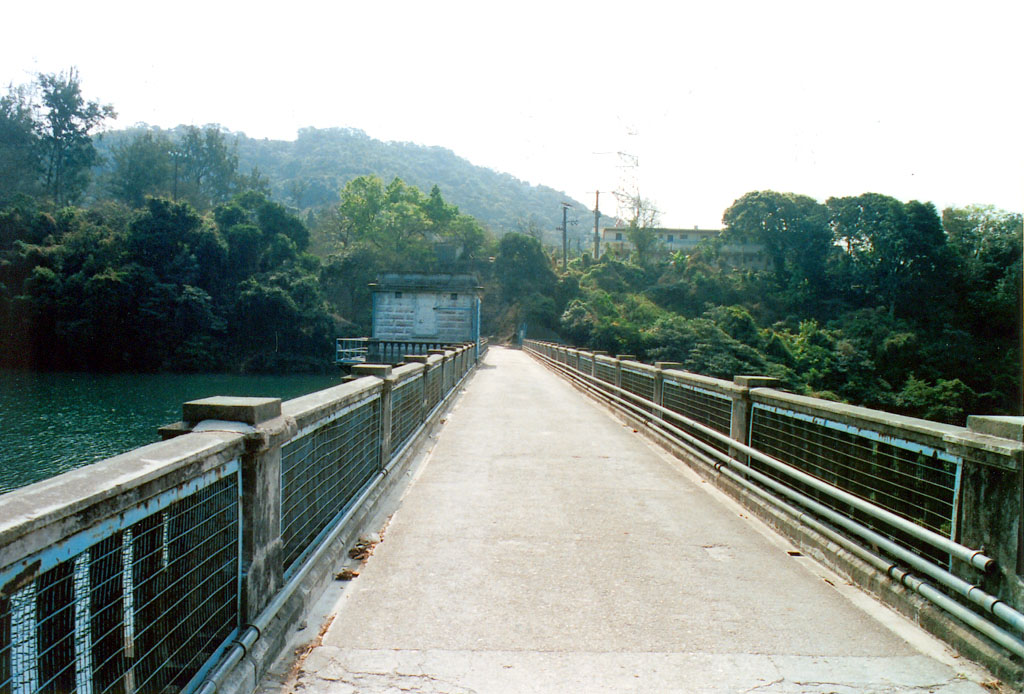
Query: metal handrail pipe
point(971, 556)
point(972, 592)
point(968, 555)
point(925, 590)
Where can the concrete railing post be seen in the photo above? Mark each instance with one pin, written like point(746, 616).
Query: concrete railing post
point(265, 431)
point(739, 423)
point(659, 383)
point(991, 500)
point(593, 362)
point(383, 372)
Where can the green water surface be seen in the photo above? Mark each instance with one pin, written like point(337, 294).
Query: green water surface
point(54, 422)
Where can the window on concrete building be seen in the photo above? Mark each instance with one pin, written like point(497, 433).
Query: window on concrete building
point(671, 238)
point(398, 295)
point(454, 297)
point(618, 236)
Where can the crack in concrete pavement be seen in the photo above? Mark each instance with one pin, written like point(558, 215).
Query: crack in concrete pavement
point(365, 682)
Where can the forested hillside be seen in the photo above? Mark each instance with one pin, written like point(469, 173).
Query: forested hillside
point(871, 301)
point(309, 173)
point(198, 250)
point(163, 254)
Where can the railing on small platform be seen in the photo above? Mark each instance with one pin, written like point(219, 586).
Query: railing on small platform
point(351, 350)
point(911, 497)
point(371, 350)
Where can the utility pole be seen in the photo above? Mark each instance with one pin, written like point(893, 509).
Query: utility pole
point(597, 218)
point(565, 236)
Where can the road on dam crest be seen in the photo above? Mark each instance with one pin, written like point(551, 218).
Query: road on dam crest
point(544, 546)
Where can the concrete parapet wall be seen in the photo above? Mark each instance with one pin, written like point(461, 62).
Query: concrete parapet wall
point(717, 385)
point(48, 512)
point(407, 371)
point(311, 408)
point(985, 507)
point(886, 423)
point(224, 478)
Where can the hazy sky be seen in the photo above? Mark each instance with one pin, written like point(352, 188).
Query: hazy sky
point(911, 99)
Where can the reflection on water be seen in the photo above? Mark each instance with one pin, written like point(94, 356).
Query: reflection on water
point(51, 423)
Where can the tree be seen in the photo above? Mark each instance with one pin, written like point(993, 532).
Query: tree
point(208, 170)
point(402, 226)
point(141, 166)
point(162, 233)
point(793, 230)
point(987, 240)
point(65, 127)
point(362, 200)
point(19, 145)
point(522, 268)
point(640, 230)
point(988, 245)
point(895, 250)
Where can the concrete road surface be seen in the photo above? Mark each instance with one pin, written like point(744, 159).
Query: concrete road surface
point(546, 547)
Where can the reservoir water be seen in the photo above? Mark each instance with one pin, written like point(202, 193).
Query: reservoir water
point(54, 422)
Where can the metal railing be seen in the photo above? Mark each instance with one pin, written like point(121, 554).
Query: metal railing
point(142, 600)
point(323, 469)
point(432, 384)
point(351, 350)
point(700, 404)
point(157, 570)
point(638, 381)
point(887, 488)
point(912, 480)
point(407, 399)
point(604, 369)
point(362, 350)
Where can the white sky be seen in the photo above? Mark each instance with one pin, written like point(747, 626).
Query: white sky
point(912, 99)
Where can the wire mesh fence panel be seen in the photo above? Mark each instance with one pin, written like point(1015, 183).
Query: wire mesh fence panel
point(432, 386)
point(586, 364)
point(406, 411)
point(638, 382)
point(449, 377)
point(323, 470)
point(148, 607)
point(713, 410)
point(605, 372)
point(911, 480)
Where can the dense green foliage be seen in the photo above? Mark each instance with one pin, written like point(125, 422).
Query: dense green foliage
point(309, 173)
point(109, 288)
point(199, 165)
point(870, 300)
point(176, 260)
point(381, 228)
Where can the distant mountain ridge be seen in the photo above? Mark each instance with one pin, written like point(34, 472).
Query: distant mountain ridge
point(309, 172)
